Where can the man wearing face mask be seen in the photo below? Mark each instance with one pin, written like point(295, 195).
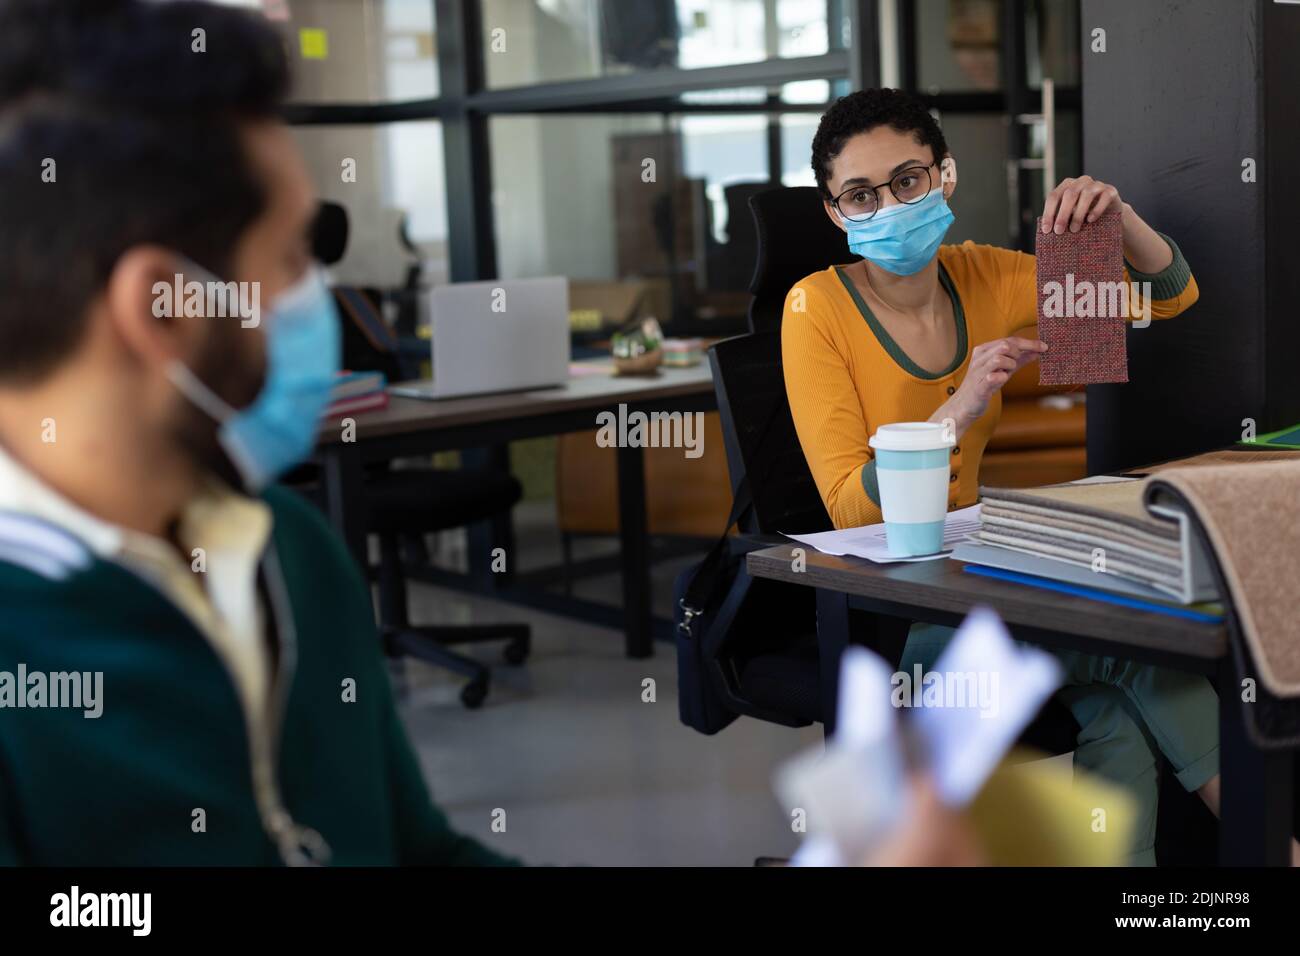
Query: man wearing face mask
point(242, 714)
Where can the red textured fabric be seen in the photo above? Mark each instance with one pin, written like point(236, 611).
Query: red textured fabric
point(1081, 349)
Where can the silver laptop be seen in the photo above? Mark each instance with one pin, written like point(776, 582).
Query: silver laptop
point(498, 336)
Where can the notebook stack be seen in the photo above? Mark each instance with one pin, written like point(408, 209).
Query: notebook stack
point(355, 392)
point(1098, 533)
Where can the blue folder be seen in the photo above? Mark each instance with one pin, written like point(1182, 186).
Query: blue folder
point(1095, 594)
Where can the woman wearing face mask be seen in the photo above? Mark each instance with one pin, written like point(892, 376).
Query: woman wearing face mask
point(919, 331)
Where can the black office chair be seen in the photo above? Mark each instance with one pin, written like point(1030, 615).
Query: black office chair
point(761, 655)
point(404, 504)
point(795, 239)
point(771, 673)
point(758, 669)
point(415, 501)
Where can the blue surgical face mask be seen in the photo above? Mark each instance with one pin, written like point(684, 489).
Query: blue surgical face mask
point(902, 238)
point(278, 430)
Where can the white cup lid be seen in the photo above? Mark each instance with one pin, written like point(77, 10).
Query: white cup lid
point(912, 436)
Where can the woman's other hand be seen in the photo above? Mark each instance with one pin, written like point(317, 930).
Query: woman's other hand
point(991, 366)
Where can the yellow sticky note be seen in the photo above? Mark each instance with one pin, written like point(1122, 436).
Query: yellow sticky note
point(314, 43)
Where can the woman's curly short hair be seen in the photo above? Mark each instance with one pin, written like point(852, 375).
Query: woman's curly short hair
point(865, 110)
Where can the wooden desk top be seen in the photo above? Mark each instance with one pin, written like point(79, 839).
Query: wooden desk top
point(943, 585)
point(595, 388)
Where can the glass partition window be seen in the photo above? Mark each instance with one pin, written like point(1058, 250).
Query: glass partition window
point(802, 92)
point(981, 203)
point(1053, 48)
point(390, 179)
point(359, 51)
point(723, 152)
point(634, 207)
point(564, 186)
point(540, 41)
point(958, 45)
point(797, 131)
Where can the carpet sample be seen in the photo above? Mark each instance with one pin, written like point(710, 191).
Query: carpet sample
point(1081, 291)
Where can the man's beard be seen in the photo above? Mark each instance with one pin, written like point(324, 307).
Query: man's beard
point(193, 430)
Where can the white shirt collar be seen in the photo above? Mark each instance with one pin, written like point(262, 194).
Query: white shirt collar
point(22, 492)
point(231, 519)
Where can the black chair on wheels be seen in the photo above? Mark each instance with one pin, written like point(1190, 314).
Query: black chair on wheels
point(771, 676)
point(416, 501)
point(759, 673)
point(405, 504)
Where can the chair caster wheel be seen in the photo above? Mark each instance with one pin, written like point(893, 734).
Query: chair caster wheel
point(516, 651)
point(474, 693)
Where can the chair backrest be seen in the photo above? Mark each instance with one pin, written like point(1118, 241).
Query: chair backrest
point(795, 238)
point(329, 232)
point(369, 344)
point(759, 436)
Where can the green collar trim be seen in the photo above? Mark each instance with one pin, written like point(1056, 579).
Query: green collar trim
point(893, 348)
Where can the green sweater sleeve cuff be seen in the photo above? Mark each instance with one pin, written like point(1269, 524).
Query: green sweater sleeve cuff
point(869, 482)
point(1170, 281)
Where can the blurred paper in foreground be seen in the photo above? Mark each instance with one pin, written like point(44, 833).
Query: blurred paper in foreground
point(984, 690)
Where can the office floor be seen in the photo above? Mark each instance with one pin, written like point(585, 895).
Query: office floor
point(584, 770)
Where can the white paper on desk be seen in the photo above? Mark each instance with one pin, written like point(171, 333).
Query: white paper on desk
point(991, 688)
point(869, 540)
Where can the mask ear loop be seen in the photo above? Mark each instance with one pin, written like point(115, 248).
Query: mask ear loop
point(193, 388)
point(212, 404)
point(189, 384)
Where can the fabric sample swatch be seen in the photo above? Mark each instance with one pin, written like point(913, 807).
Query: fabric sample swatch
point(1081, 303)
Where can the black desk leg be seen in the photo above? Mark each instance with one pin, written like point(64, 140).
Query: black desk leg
point(344, 503)
point(832, 640)
point(635, 544)
point(1255, 829)
point(484, 537)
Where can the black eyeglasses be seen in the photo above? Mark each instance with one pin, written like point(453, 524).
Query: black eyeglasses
point(860, 203)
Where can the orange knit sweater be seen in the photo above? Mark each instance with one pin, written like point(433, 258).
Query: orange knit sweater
point(845, 376)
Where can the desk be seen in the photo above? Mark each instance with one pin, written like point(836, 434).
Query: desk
point(410, 427)
point(1257, 785)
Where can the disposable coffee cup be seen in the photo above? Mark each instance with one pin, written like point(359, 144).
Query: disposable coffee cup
point(912, 471)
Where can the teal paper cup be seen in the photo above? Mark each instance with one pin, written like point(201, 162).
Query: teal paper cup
point(912, 470)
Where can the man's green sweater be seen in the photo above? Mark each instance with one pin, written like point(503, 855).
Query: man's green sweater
point(163, 775)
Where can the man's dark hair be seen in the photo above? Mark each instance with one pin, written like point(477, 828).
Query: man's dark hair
point(865, 110)
point(114, 132)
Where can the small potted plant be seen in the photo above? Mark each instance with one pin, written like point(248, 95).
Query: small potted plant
point(638, 350)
